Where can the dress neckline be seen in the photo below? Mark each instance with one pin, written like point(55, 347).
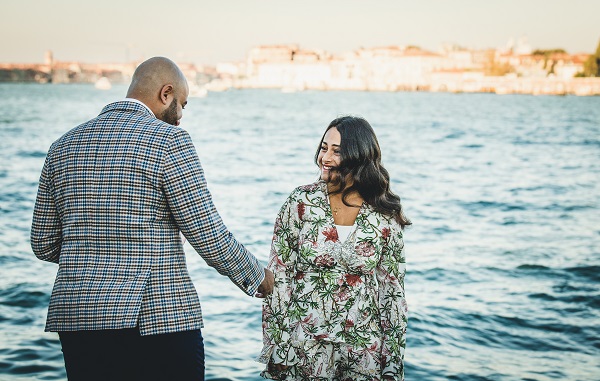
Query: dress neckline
point(331, 220)
point(330, 212)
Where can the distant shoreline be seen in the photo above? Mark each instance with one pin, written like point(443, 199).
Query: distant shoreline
point(487, 85)
point(291, 69)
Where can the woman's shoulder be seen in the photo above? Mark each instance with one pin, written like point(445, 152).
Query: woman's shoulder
point(308, 190)
point(303, 196)
point(381, 220)
point(317, 186)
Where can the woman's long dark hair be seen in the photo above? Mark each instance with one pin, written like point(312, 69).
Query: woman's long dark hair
point(361, 168)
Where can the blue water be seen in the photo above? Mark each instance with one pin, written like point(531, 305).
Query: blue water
point(503, 278)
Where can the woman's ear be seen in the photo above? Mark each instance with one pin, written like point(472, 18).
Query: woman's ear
point(165, 92)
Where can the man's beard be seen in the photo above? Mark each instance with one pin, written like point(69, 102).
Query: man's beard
point(170, 114)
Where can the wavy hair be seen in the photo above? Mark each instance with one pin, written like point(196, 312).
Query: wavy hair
point(361, 170)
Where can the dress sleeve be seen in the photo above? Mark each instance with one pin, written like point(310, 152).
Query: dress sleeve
point(46, 227)
point(392, 303)
point(276, 320)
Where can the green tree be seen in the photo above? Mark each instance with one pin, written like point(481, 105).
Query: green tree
point(550, 57)
point(493, 67)
point(591, 67)
point(547, 52)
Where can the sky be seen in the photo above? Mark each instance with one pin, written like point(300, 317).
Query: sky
point(209, 32)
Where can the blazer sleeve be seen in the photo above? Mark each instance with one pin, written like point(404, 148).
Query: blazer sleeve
point(46, 227)
point(192, 207)
point(276, 319)
point(392, 303)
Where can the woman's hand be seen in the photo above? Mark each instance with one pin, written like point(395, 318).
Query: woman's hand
point(276, 370)
point(280, 367)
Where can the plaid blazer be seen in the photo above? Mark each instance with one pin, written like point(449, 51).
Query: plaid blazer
point(113, 195)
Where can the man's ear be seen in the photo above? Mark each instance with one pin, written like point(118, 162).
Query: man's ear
point(165, 92)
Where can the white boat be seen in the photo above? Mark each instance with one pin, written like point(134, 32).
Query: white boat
point(198, 91)
point(103, 84)
point(218, 85)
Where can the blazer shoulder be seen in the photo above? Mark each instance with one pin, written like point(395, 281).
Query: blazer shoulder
point(130, 119)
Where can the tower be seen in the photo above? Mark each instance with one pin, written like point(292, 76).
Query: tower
point(49, 58)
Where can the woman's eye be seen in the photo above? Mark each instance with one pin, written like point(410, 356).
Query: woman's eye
point(337, 152)
point(323, 148)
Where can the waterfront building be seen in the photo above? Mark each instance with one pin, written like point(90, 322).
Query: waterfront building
point(513, 69)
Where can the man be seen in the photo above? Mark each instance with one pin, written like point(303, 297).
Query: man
point(114, 194)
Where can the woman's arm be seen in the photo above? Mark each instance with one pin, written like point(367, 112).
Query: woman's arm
point(276, 323)
point(392, 303)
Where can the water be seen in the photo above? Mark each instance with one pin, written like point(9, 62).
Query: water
point(503, 277)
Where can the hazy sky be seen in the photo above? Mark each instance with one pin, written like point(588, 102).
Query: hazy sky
point(202, 31)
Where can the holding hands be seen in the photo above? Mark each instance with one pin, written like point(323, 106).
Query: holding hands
point(266, 287)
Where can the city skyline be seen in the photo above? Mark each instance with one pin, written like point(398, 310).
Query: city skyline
point(204, 32)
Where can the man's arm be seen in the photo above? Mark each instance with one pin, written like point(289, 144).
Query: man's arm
point(46, 228)
point(192, 207)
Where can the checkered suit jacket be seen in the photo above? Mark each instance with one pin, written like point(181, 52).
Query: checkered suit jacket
point(113, 195)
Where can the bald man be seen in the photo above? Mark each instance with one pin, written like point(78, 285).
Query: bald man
point(114, 195)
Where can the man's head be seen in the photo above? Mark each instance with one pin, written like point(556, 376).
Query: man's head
point(160, 85)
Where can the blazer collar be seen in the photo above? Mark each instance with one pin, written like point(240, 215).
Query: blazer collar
point(127, 106)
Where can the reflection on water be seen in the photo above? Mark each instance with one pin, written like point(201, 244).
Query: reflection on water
point(503, 276)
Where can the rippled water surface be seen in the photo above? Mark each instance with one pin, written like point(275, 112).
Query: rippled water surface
point(503, 278)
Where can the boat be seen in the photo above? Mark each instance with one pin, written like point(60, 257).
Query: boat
point(103, 83)
point(218, 85)
point(198, 91)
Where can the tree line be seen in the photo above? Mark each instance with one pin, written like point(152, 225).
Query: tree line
point(591, 67)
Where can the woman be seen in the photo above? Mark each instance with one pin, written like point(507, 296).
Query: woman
point(338, 310)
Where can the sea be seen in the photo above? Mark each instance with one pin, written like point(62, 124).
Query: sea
point(503, 257)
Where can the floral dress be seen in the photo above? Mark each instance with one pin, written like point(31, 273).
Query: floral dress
point(338, 310)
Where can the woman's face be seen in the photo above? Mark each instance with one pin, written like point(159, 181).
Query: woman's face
point(329, 155)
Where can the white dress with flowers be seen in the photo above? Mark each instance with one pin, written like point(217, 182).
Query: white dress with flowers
point(338, 310)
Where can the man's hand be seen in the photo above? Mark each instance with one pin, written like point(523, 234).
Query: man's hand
point(266, 287)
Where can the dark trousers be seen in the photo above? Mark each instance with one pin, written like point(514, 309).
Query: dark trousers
point(122, 354)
